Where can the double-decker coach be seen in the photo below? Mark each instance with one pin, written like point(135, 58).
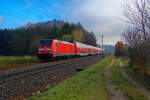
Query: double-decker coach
point(81, 49)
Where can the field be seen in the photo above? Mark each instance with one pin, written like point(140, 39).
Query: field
point(9, 61)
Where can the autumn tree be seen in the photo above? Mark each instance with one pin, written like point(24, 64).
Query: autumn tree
point(67, 37)
point(119, 49)
point(78, 36)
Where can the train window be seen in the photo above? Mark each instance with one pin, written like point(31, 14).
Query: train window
point(45, 42)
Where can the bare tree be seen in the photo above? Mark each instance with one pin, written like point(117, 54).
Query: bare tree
point(137, 13)
point(137, 37)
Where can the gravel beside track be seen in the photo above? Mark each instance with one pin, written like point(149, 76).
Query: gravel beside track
point(19, 83)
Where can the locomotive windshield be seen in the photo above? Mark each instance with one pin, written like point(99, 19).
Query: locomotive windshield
point(45, 42)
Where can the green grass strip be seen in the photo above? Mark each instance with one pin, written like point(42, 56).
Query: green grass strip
point(141, 79)
point(12, 60)
point(129, 90)
point(86, 85)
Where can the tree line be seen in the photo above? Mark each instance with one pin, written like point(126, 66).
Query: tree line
point(24, 40)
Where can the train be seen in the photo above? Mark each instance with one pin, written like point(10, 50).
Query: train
point(53, 48)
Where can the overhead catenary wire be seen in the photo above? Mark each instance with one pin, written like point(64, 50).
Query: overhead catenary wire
point(48, 13)
point(12, 14)
point(51, 11)
point(15, 14)
point(41, 10)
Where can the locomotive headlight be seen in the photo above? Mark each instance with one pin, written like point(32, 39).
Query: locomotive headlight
point(48, 49)
point(41, 49)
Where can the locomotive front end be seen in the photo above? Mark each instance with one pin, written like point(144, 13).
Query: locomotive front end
point(45, 49)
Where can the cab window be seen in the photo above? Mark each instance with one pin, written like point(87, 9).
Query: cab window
point(45, 42)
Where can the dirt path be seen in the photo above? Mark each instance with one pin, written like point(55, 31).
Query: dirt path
point(136, 84)
point(115, 93)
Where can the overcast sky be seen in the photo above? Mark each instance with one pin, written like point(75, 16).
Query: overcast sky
point(100, 16)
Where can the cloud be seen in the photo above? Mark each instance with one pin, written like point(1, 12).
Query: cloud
point(100, 16)
point(1, 20)
point(108, 40)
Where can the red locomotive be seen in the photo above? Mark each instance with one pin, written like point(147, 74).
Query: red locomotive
point(51, 48)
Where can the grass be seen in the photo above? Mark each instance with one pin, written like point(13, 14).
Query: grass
point(142, 80)
point(86, 85)
point(130, 91)
point(6, 61)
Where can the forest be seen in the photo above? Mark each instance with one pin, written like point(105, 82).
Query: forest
point(24, 40)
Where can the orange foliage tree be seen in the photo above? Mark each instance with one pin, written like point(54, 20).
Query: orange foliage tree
point(119, 49)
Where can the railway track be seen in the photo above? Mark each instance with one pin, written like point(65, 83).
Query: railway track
point(19, 83)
